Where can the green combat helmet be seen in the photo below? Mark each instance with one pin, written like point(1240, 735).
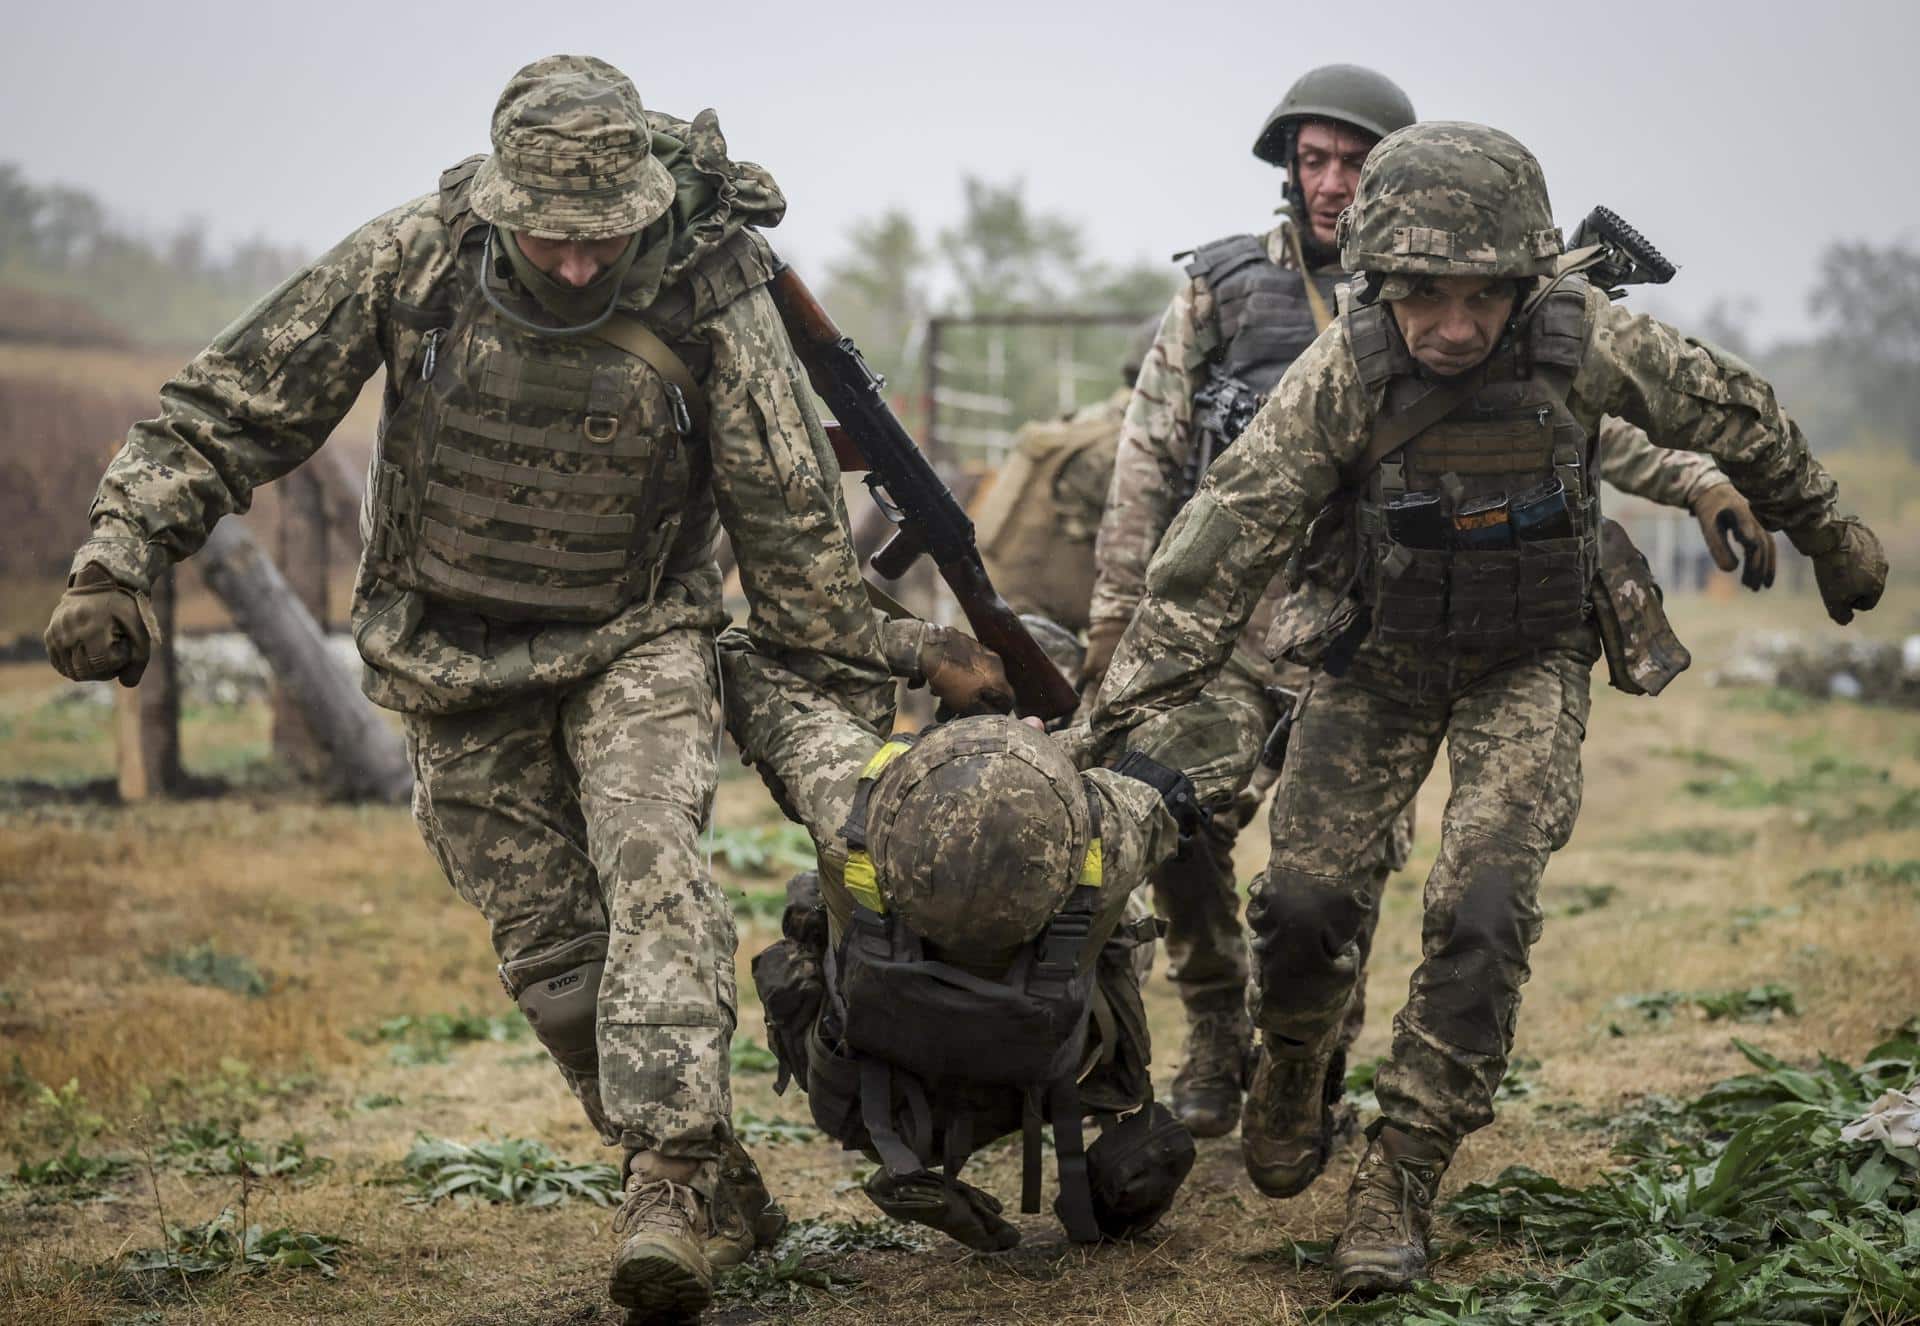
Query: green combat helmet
point(1347, 93)
point(572, 155)
point(1447, 198)
point(977, 833)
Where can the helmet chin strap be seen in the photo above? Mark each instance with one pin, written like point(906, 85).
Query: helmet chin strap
point(525, 323)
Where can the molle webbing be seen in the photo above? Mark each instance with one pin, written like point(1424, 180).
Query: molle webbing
point(512, 591)
point(573, 441)
point(532, 476)
point(533, 517)
point(1499, 447)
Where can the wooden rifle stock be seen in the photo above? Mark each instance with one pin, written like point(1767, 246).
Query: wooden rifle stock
point(916, 499)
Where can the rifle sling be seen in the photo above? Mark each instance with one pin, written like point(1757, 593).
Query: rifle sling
point(625, 332)
point(1315, 304)
point(1391, 432)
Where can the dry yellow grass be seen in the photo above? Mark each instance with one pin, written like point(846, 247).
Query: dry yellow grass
point(346, 913)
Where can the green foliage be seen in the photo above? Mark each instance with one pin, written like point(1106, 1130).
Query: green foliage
point(1742, 1206)
point(379, 1100)
point(427, 1038)
point(756, 1131)
point(764, 905)
point(765, 850)
point(513, 1170)
point(61, 1116)
point(1741, 786)
point(747, 1056)
point(212, 1147)
point(68, 1176)
point(1705, 839)
point(1756, 1003)
point(800, 1261)
point(220, 1245)
point(1771, 700)
point(1902, 813)
point(203, 964)
point(1877, 873)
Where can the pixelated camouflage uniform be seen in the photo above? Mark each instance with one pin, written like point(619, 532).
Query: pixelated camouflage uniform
point(564, 767)
point(1230, 721)
point(1514, 721)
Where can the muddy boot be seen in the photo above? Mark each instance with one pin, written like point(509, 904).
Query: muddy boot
point(745, 1218)
point(660, 1270)
point(1206, 1091)
point(1288, 1131)
point(1383, 1247)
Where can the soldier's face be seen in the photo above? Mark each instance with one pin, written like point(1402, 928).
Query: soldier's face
point(1452, 322)
point(1327, 158)
point(573, 262)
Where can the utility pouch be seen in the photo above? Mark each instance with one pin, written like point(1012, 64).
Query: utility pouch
point(1552, 593)
point(1643, 653)
point(1410, 603)
point(791, 987)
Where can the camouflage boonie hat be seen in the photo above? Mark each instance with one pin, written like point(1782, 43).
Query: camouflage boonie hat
point(1448, 198)
point(572, 157)
point(978, 832)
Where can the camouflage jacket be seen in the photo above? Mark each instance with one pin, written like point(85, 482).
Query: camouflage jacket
point(1223, 549)
point(1156, 447)
point(270, 389)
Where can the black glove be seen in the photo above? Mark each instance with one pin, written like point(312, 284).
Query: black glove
point(958, 1210)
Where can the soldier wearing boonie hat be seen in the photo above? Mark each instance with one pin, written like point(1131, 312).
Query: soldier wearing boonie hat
point(583, 370)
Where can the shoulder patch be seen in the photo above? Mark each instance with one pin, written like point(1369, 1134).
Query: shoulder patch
point(1371, 340)
point(456, 182)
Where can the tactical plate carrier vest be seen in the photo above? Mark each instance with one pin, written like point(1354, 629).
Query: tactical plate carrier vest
point(537, 477)
point(1475, 581)
point(1265, 320)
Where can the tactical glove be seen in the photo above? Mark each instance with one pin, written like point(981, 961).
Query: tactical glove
point(100, 629)
point(1721, 511)
point(958, 1210)
point(1103, 638)
point(1848, 565)
point(964, 674)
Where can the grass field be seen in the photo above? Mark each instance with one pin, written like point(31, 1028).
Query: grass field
point(199, 1004)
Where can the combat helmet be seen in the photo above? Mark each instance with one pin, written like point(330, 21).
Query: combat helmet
point(976, 832)
point(1448, 198)
point(1348, 93)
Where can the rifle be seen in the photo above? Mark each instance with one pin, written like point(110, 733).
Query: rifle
point(1222, 409)
point(926, 516)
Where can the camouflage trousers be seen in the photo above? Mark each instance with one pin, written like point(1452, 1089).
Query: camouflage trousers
point(1217, 740)
point(571, 818)
point(1360, 750)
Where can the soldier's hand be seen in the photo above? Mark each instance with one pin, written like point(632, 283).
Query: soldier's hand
point(964, 674)
point(99, 629)
point(1103, 638)
point(1851, 571)
point(1722, 511)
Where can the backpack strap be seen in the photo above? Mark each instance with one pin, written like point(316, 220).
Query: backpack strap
point(1074, 1205)
point(1174, 787)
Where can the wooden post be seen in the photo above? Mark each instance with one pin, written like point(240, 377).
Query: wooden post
point(302, 557)
point(147, 718)
point(366, 759)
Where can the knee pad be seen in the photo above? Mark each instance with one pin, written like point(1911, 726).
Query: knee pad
point(1306, 932)
point(558, 991)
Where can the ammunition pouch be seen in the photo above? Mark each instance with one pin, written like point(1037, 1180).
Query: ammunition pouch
point(1410, 596)
point(1643, 653)
point(791, 988)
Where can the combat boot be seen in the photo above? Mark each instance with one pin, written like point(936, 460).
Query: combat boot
point(1383, 1247)
point(1288, 1131)
point(660, 1270)
point(1206, 1091)
point(744, 1218)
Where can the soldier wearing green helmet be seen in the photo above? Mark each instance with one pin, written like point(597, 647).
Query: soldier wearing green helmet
point(1432, 459)
point(585, 380)
point(1251, 305)
point(964, 963)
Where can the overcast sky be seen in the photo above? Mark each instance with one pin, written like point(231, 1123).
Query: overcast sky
point(1741, 138)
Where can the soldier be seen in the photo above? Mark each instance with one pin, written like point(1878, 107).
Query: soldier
point(1464, 384)
point(1037, 523)
point(963, 965)
point(1251, 306)
point(584, 379)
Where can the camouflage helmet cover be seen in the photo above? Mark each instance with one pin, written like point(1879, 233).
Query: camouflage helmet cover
point(977, 834)
point(1348, 93)
point(572, 155)
point(1448, 198)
